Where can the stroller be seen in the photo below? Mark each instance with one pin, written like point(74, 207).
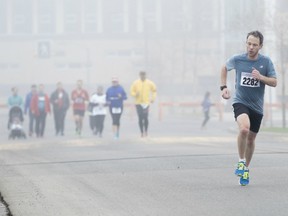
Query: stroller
point(15, 123)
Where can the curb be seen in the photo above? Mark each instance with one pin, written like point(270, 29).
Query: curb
point(4, 205)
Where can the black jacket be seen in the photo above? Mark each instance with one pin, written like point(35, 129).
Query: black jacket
point(57, 105)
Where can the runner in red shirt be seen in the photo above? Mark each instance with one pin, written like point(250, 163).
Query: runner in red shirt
point(79, 96)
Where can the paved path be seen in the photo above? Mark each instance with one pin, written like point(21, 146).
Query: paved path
point(178, 170)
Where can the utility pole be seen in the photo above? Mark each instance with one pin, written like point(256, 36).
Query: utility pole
point(283, 80)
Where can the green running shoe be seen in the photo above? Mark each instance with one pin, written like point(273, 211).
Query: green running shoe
point(244, 179)
point(240, 168)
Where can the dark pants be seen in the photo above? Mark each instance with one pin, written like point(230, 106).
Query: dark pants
point(142, 118)
point(206, 118)
point(59, 119)
point(115, 118)
point(97, 124)
point(32, 119)
point(40, 123)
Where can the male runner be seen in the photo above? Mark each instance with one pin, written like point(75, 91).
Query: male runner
point(253, 72)
point(79, 96)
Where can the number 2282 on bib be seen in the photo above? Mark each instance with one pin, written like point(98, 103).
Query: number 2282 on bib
point(248, 81)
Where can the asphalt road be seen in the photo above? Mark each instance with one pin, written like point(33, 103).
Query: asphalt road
point(179, 170)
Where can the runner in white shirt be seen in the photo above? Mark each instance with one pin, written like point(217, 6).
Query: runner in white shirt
point(98, 111)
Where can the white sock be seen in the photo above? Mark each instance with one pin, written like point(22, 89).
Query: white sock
point(242, 160)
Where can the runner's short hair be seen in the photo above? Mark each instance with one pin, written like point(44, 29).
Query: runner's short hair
point(256, 34)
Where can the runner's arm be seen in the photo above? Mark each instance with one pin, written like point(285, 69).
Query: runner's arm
point(225, 91)
point(270, 81)
point(223, 76)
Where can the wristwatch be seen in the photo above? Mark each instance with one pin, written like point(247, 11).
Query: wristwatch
point(223, 87)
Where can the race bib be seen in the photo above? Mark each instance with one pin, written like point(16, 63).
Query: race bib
point(60, 95)
point(116, 110)
point(248, 81)
point(79, 100)
point(41, 98)
point(41, 103)
point(144, 106)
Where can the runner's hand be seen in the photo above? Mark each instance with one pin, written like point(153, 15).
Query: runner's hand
point(226, 94)
point(256, 74)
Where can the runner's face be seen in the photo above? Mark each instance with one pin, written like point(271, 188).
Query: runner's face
point(100, 91)
point(79, 84)
point(15, 91)
point(59, 86)
point(142, 76)
point(41, 88)
point(253, 46)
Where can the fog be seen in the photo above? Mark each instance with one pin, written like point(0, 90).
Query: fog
point(181, 44)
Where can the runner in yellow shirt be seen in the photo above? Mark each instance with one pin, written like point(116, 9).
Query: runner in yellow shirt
point(144, 92)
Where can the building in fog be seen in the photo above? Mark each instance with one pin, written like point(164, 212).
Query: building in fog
point(48, 40)
point(181, 43)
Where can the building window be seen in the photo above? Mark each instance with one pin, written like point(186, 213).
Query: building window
point(72, 16)
point(22, 16)
point(91, 16)
point(113, 13)
point(3, 17)
point(46, 16)
point(149, 15)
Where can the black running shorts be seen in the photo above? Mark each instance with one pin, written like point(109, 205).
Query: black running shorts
point(79, 113)
point(255, 118)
